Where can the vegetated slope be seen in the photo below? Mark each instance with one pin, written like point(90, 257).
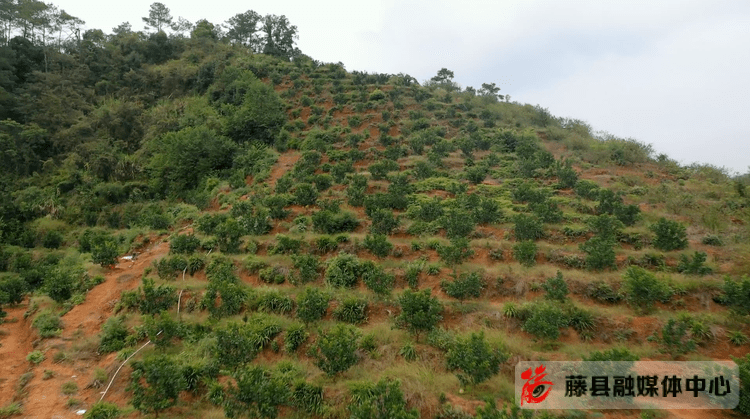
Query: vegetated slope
point(330, 229)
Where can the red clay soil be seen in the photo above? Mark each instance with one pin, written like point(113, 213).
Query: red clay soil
point(42, 397)
point(284, 164)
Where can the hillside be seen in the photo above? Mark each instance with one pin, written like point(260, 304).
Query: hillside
point(298, 240)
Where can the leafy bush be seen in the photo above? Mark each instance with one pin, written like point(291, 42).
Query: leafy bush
point(102, 410)
point(456, 252)
point(295, 337)
point(378, 245)
point(305, 194)
point(35, 357)
point(528, 227)
point(312, 304)
point(307, 266)
point(420, 311)
point(525, 252)
point(694, 265)
point(351, 310)
point(737, 294)
point(643, 289)
point(238, 344)
point(670, 235)
point(603, 292)
point(285, 245)
point(335, 349)
point(600, 253)
point(465, 286)
point(674, 338)
point(383, 399)
point(156, 299)
point(12, 288)
point(383, 221)
point(475, 359)
point(184, 244)
point(156, 383)
point(330, 222)
point(113, 335)
point(272, 275)
point(457, 223)
point(224, 298)
point(376, 279)
point(343, 270)
point(545, 320)
point(556, 288)
point(104, 252)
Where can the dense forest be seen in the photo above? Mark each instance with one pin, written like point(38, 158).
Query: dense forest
point(261, 234)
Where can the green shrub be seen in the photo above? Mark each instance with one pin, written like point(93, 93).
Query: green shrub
point(272, 275)
point(737, 294)
point(156, 383)
point(674, 338)
point(12, 288)
point(335, 349)
point(545, 320)
point(378, 245)
point(156, 299)
point(603, 292)
point(712, 240)
point(528, 227)
point(295, 337)
point(525, 252)
point(113, 336)
point(48, 324)
point(238, 344)
point(587, 189)
point(383, 399)
point(307, 266)
point(600, 253)
point(456, 252)
point(343, 270)
point(383, 221)
point(670, 235)
point(556, 288)
point(465, 286)
point(694, 265)
point(474, 358)
point(312, 304)
point(420, 311)
point(285, 245)
point(351, 310)
point(643, 289)
point(35, 357)
point(184, 244)
point(102, 410)
point(305, 194)
point(376, 279)
point(457, 223)
point(330, 222)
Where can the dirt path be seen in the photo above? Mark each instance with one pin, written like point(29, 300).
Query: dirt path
point(43, 397)
point(16, 342)
point(284, 164)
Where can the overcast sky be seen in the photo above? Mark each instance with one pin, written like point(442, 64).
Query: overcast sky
point(675, 74)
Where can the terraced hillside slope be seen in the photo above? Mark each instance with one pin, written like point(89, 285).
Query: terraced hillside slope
point(296, 240)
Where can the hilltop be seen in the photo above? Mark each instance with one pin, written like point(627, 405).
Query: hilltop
point(298, 240)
